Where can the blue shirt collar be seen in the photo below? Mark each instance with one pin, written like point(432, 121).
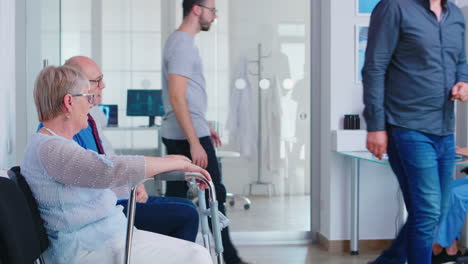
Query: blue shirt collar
point(427, 3)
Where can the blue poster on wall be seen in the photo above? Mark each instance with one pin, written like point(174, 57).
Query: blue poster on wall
point(366, 6)
point(362, 33)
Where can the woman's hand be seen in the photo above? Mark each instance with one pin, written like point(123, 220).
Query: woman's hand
point(177, 157)
point(189, 167)
point(185, 164)
point(157, 165)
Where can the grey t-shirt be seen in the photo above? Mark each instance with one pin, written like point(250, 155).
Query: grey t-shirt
point(181, 57)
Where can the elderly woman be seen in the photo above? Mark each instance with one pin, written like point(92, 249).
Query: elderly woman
point(73, 185)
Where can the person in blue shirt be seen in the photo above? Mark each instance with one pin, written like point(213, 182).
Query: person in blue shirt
point(176, 217)
point(415, 68)
point(452, 220)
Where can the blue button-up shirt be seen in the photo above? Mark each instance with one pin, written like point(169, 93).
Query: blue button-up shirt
point(412, 62)
point(84, 138)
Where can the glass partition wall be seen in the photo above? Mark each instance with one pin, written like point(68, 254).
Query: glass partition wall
point(268, 93)
point(256, 61)
point(41, 45)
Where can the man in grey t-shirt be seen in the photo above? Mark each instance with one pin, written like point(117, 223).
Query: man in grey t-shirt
point(184, 128)
point(181, 58)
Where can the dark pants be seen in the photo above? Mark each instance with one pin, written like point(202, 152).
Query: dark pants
point(179, 189)
point(170, 216)
point(423, 165)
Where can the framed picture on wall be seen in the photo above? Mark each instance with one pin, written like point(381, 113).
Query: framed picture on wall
point(360, 50)
point(365, 7)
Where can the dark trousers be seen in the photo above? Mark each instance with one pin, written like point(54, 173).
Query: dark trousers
point(179, 189)
point(170, 216)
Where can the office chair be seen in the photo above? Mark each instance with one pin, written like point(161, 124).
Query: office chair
point(222, 154)
point(22, 234)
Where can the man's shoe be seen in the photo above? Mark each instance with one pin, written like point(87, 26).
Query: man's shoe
point(444, 258)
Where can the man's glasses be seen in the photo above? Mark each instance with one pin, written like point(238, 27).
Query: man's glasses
point(212, 9)
point(97, 81)
point(90, 97)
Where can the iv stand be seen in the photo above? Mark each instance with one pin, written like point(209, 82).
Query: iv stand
point(258, 74)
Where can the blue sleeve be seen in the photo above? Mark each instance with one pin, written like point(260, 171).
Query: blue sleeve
point(85, 139)
point(462, 67)
point(384, 31)
point(78, 139)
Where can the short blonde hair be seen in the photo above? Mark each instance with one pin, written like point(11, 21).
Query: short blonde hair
point(51, 85)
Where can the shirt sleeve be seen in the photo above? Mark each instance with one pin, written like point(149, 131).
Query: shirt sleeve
point(181, 59)
point(384, 31)
point(70, 164)
point(462, 67)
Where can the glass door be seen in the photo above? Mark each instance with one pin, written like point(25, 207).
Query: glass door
point(42, 48)
point(50, 31)
point(274, 38)
point(256, 60)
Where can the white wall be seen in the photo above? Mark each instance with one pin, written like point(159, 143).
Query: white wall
point(7, 86)
point(341, 95)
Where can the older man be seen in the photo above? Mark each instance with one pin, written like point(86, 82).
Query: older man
point(176, 217)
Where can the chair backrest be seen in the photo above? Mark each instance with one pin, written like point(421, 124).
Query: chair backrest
point(22, 234)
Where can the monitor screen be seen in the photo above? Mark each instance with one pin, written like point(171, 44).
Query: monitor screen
point(112, 114)
point(144, 103)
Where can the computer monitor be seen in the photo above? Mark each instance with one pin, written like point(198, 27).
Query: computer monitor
point(112, 114)
point(145, 103)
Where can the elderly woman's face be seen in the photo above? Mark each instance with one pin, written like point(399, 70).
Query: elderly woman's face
point(82, 106)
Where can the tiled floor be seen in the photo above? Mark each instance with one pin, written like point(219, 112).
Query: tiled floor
point(299, 254)
point(288, 213)
point(276, 213)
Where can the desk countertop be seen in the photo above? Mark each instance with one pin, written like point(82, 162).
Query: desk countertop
point(366, 155)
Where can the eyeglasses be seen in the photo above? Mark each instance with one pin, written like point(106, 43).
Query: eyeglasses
point(90, 97)
point(212, 9)
point(97, 81)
